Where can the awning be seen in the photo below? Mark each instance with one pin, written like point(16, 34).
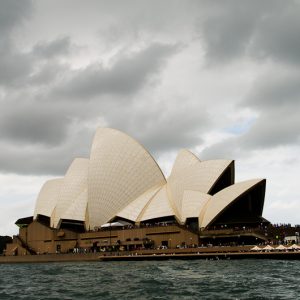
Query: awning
point(294, 247)
point(268, 248)
point(114, 224)
point(280, 247)
point(255, 248)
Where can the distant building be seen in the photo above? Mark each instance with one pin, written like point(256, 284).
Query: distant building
point(121, 189)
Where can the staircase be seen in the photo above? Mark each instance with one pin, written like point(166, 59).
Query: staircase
point(25, 245)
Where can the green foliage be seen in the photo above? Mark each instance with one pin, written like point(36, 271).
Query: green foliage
point(3, 241)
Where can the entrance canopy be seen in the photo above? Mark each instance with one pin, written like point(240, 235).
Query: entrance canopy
point(116, 224)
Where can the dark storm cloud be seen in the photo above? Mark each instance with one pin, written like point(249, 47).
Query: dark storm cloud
point(33, 123)
point(228, 27)
point(275, 90)
point(14, 65)
point(42, 99)
point(278, 35)
point(34, 160)
point(20, 68)
point(44, 118)
point(126, 76)
point(12, 12)
point(258, 29)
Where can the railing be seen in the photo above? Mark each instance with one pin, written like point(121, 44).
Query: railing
point(233, 232)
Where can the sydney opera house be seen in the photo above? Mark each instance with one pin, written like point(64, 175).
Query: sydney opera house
point(119, 198)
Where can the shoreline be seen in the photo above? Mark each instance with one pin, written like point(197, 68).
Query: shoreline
point(133, 256)
point(207, 256)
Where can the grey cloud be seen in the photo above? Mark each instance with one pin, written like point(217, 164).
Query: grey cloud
point(279, 128)
point(36, 160)
point(258, 29)
point(60, 46)
point(231, 148)
point(47, 73)
point(163, 125)
point(275, 98)
point(30, 123)
point(37, 134)
point(14, 67)
point(278, 35)
point(126, 76)
point(270, 131)
point(19, 69)
point(12, 12)
point(227, 29)
point(47, 147)
point(173, 131)
point(275, 90)
point(32, 161)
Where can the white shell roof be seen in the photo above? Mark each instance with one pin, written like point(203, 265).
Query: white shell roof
point(184, 159)
point(48, 198)
point(159, 206)
point(134, 209)
point(196, 176)
point(222, 199)
point(74, 183)
point(77, 209)
point(193, 203)
point(121, 179)
point(120, 170)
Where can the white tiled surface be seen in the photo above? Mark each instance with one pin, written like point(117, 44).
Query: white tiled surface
point(74, 183)
point(159, 206)
point(120, 170)
point(48, 197)
point(192, 204)
point(223, 198)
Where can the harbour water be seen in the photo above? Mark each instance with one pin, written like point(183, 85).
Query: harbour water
point(196, 279)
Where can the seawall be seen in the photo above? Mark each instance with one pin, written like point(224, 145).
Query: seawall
point(49, 258)
point(190, 253)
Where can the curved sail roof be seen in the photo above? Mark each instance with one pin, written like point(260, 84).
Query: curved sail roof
point(121, 179)
point(48, 198)
point(134, 209)
point(77, 209)
point(184, 159)
point(197, 176)
point(120, 170)
point(225, 197)
point(193, 203)
point(159, 206)
point(74, 183)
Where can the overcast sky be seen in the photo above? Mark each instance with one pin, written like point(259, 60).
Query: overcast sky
point(220, 78)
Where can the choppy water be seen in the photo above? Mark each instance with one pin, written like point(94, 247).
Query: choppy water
point(237, 279)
